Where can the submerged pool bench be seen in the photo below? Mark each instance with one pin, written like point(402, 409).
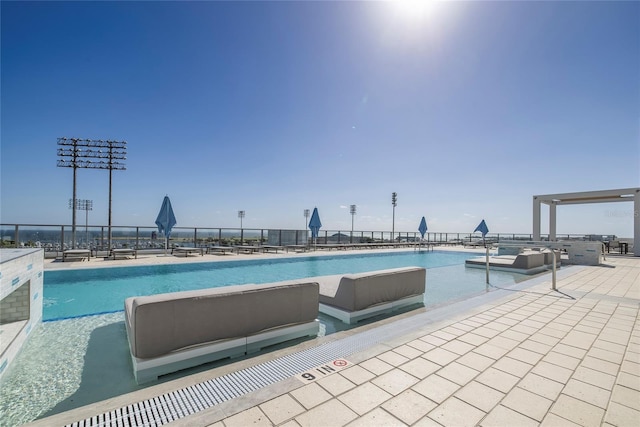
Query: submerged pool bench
point(527, 262)
point(174, 331)
point(355, 297)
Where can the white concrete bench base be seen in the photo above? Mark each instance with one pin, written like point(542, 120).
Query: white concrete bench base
point(257, 342)
point(351, 317)
point(482, 263)
point(147, 370)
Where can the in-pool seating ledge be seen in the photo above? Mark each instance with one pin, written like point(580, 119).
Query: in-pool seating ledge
point(527, 262)
point(355, 297)
point(174, 331)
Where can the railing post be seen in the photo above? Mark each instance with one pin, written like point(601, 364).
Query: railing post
point(553, 271)
point(219, 236)
point(61, 238)
point(16, 235)
point(137, 237)
point(195, 237)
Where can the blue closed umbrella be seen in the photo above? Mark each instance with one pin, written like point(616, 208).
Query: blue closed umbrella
point(315, 224)
point(166, 220)
point(423, 227)
point(482, 227)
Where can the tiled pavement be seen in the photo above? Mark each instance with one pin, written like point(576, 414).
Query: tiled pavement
point(534, 357)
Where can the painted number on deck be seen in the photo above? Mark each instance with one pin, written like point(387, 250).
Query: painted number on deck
point(322, 371)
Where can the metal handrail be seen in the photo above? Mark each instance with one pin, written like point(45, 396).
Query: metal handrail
point(58, 236)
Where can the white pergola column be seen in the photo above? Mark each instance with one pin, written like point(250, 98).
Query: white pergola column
point(552, 222)
point(536, 219)
point(636, 223)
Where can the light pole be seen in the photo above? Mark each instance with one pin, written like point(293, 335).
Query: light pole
point(241, 215)
point(306, 218)
point(306, 225)
point(352, 211)
point(394, 202)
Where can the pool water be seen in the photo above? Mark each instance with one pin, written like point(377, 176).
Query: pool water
point(75, 293)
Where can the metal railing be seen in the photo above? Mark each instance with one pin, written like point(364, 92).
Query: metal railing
point(58, 237)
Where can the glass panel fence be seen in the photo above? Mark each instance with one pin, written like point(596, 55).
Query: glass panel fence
point(54, 238)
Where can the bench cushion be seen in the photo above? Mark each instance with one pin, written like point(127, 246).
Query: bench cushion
point(160, 324)
point(354, 292)
point(529, 260)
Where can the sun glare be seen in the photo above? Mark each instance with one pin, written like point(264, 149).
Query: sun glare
point(416, 9)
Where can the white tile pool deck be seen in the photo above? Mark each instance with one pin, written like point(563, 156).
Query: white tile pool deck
point(531, 357)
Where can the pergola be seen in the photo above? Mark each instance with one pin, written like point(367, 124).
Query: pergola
point(604, 196)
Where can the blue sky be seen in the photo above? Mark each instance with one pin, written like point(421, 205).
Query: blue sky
point(465, 109)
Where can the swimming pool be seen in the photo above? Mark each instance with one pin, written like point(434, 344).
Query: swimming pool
point(78, 358)
point(75, 293)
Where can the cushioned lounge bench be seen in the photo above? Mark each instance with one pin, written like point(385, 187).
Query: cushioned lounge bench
point(186, 251)
point(124, 252)
point(354, 297)
point(249, 249)
point(174, 331)
point(80, 254)
point(220, 249)
point(475, 244)
point(297, 248)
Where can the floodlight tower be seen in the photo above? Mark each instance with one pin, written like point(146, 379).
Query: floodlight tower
point(83, 205)
point(83, 153)
point(394, 202)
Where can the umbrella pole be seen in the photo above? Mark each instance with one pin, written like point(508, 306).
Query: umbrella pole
point(487, 258)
